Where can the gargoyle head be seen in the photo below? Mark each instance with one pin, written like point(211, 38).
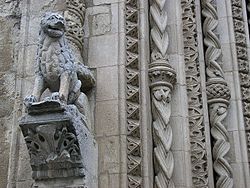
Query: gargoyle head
point(53, 24)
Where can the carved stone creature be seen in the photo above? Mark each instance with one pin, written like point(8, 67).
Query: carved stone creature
point(56, 68)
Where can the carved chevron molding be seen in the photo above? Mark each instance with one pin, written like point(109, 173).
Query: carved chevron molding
point(162, 77)
point(218, 94)
point(242, 59)
point(199, 159)
point(134, 150)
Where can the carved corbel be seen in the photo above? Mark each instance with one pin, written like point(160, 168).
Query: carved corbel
point(56, 127)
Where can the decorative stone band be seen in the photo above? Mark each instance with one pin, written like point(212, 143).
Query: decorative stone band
point(218, 91)
point(243, 62)
point(133, 95)
point(161, 74)
point(198, 144)
point(74, 15)
point(162, 77)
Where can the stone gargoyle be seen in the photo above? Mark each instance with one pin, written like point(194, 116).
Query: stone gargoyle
point(56, 69)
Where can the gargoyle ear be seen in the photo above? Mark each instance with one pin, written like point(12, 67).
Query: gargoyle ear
point(44, 17)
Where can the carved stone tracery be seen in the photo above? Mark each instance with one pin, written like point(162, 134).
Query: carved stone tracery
point(195, 105)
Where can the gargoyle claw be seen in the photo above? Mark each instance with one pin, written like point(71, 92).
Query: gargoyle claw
point(29, 100)
point(55, 96)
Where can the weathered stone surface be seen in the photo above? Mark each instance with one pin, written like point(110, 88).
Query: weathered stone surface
point(59, 144)
point(116, 35)
point(9, 26)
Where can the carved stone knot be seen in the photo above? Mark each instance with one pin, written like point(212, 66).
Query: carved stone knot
point(218, 91)
point(161, 74)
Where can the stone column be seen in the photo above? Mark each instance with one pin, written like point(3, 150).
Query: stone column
point(218, 95)
point(162, 77)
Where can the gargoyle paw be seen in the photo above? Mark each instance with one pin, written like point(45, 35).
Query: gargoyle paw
point(29, 100)
point(55, 96)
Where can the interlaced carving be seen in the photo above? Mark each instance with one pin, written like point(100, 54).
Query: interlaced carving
point(134, 157)
point(195, 106)
point(159, 35)
point(242, 57)
point(74, 15)
point(218, 102)
point(162, 77)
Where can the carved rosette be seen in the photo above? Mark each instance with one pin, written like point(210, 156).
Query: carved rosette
point(134, 150)
point(74, 16)
point(162, 77)
point(199, 157)
point(242, 57)
point(218, 94)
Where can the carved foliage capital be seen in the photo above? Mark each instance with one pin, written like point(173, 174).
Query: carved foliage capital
point(54, 137)
point(161, 74)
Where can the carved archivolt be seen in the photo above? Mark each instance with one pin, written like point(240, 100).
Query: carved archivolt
point(218, 95)
point(195, 106)
point(134, 157)
point(162, 77)
point(242, 58)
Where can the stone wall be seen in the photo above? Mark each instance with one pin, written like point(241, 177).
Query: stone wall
point(9, 44)
point(119, 38)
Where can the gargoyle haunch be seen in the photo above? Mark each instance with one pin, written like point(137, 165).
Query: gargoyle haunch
point(56, 68)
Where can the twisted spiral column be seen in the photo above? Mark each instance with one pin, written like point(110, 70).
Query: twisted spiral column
point(158, 33)
point(218, 94)
point(162, 77)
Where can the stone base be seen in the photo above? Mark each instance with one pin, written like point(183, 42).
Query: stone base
point(63, 152)
point(61, 183)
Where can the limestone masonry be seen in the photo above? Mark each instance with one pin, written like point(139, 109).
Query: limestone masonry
point(124, 94)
